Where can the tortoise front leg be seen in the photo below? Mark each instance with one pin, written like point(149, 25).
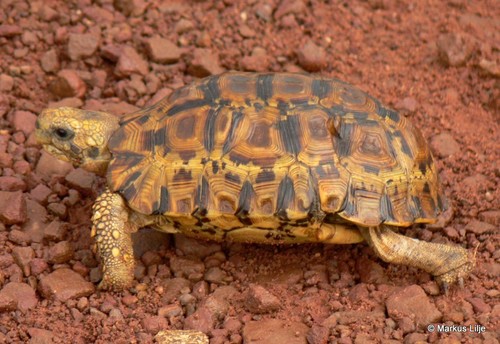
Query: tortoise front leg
point(447, 263)
point(112, 231)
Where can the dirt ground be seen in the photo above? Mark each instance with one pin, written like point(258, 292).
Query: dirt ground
point(437, 62)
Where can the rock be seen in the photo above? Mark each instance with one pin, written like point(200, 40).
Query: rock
point(414, 303)
point(41, 336)
point(82, 45)
point(7, 30)
point(47, 13)
point(162, 50)
point(10, 183)
point(172, 288)
point(479, 305)
point(195, 247)
point(131, 7)
point(58, 209)
point(130, 62)
point(204, 63)
point(23, 256)
point(184, 267)
point(444, 145)
point(259, 300)
point(318, 335)
point(212, 310)
point(49, 166)
point(181, 337)
point(215, 275)
point(6, 83)
point(201, 320)
point(312, 57)
point(64, 284)
point(258, 61)
point(22, 294)
point(40, 193)
point(490, 67)
point(478, 227)
point(289, 7)
point(68, 84)
point(24, 121)
point(453, 49)
point(37, 266)
point(50, 61)
point(359, 293)
point(351, 317)
point(81, 180)
point(274, 331)
point(36, 220)
point(7, 303)
point(19, 237)
point(408, 104)
point(475, 181)
point(61, 252)
point(12, 207)
point(370, 271)
point(153, 323)
point(490, 216)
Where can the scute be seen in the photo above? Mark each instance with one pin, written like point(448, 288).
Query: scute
point(273, 151)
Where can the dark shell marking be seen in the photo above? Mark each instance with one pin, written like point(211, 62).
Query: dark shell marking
point(273, 151)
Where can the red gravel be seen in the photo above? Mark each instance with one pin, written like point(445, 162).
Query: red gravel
point(437, 62)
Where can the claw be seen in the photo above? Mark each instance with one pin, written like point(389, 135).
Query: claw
point(445, 287)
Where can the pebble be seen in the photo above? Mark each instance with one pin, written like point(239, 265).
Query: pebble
point(7, 303)
point(258, 61)
point(23, 295)
point(478, 227)
point(490, 67)
point(453, 49)
point(479, 305)
point(82, 45)
point(42, 336)
point(47, 13)
point(491, 217)
point(172, 288)
point(290, 7)
point(49, 166)
point(68, 84)
point(370, 271)
point(351, 317)
point(58, 209)
point(7, 30)
point(19, 237)
point(61, 252)
point(40, 193)
point(10, 183)
point(215, 275)
point(50, 61)
point(204, 63)
point(130, 62)
point(64, 284)
point(312, 57)
point(153, 323)
point(259, 300)
point(274, 331)
point(6, 83)
point(12, 207)
point(170, 311)
point(81, 180)
point(413, 302)
point(24, 121)
point(23, 256)
point(444, 145)
point(37, 266)
point(162, 50)
point(195, 247)
point(184, 267)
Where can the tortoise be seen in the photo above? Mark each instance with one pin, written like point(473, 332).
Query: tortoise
point(261, 158)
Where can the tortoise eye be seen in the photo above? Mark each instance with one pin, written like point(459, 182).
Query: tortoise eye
point(63, 134)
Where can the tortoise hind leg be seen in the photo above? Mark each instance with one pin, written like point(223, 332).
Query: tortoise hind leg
point(447, 263)
point(112, 231)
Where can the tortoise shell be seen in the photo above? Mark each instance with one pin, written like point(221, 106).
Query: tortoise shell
point(262, 150)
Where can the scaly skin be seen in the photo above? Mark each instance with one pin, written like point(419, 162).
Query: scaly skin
point(448, 264)
point(112, 232)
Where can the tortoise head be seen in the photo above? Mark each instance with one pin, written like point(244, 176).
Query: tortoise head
point(77, 136)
